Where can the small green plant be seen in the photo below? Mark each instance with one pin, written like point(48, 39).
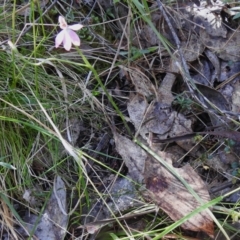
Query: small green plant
point(6, 165)
point(229, 143)
point(185, 103)
point(235, 169)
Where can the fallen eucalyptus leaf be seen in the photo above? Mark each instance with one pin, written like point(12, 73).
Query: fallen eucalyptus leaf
point(137, 108)
point(142, 83)
point(236, 98)
point(225, 48)
point(164, 189)
point(53, 222)
point(133, 155)
point(124, 197)
point(217, 99)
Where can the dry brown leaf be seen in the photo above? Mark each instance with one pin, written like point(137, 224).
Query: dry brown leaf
point(225, 48)
point(52, 224)
point(163, 188)
point(206, 17)
point(216, 64)
point(165, 89)
point(217, 99)
point(182, 126)
point(142, 83)
point(236, 98)
point(72, 128)
point(157, 118)
point(204, 14)
point(133, 155)
point(137, 107)
point(214, 96)
point(203, 72)
point(160, 119)
point(172, 196)
point(192, 48)
point(167, 123)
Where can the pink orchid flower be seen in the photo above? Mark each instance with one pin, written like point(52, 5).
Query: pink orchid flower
point(67, 36)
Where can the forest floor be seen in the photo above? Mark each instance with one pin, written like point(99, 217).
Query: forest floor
point(119, 119)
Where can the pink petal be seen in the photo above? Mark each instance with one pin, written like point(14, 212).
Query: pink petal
point(59, 38)
point(76, 27)
point(74, 37)
point(62, 22)
point(67, 41)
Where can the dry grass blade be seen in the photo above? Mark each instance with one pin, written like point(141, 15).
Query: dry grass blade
point(7, 218)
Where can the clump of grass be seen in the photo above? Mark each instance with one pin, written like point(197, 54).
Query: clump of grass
point(29, 142)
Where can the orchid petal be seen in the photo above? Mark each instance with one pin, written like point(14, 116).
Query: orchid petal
point(62, 22)
point(74, 37)
point(76, 27)
point(59, 38)
point(67, 41)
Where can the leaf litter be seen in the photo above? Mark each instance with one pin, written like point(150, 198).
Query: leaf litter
point(204, 40)
point(157, 117)
point(52, 224)
point(150, 109)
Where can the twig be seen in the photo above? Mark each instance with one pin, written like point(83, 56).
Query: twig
point(183, 65)
point(90, 12)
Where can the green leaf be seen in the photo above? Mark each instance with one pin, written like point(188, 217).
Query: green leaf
point(236, 16)
point(7, 165)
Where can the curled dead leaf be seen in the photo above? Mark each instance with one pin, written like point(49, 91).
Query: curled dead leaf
point(133, 155)
point(225, 48)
